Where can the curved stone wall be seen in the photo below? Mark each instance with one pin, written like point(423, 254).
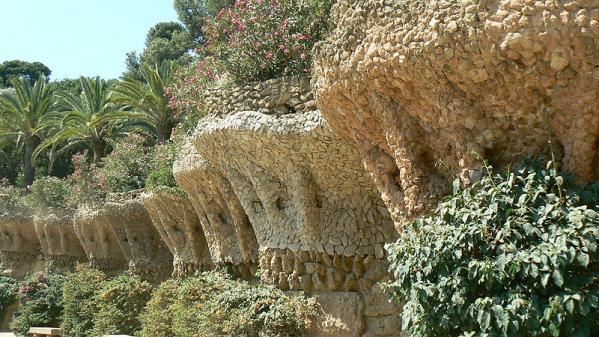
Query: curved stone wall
point(19, 248)
point(58, 240)
point(230, 237)
point(420, 86)
point(140, 243)
point(181, 230)
point(92, 227)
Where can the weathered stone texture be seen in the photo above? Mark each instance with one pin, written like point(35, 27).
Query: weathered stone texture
point(140, 243)
point(181, 230)
point(301, 189)
point(420, 86)
point(58, 240)
point(99, 242)
point(19, 247)
point(277, 96)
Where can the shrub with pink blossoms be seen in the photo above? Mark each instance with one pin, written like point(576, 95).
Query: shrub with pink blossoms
point(256, 40)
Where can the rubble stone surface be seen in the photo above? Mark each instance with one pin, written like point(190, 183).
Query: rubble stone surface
point(421, 87)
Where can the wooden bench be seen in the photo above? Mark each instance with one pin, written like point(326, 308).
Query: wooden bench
point(43, 331)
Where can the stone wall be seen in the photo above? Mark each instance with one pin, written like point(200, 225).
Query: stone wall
point(421, 87)
point(19, 247)
point(92, 227)
point(277, 96)
point(230, 237)
point(180, 229)
point(58, 240)
point(147, 255)
point(296, 191)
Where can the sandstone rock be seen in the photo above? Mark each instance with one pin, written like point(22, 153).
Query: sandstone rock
point(58, 240)
point(181, 230)
point(19, 247)
point(339, 315)
point(419, 82)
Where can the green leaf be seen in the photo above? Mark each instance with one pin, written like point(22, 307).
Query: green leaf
point(558, 279)
point(583, 259)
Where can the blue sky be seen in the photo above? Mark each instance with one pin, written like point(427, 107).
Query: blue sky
point(78, 37)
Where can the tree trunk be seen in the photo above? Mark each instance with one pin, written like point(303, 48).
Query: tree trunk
point(99, 151)
point(28, 166)
point(164, 133)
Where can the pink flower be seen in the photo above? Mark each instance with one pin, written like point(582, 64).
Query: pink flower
point(302, 56)
point(269, 55)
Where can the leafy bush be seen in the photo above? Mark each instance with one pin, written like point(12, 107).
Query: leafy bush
point(10, 196)
point(88, 185)
point(161, 177)
point(513, 255)
point(213, 304)
point(255, 40)
point(157, 317)
point(127, 167)
point(120, 302)
point(49, 192)
point(40, 302)
point(80, 301)
point(8, 291)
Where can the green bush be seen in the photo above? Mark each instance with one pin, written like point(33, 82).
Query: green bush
point(10, 196)
point(127, 167)
point(161, 177)
point(49, 192)
point(8, 291)
point(120, 302)
point(40, 302)
point(157, 316)
point(80, 301)
point(513, 255)
point(213, 304)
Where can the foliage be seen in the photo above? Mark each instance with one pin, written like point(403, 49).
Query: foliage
point(81, 289)
point(10, 196)
point(213, 304)
point(8, 291)
point(166, 41)
point(92, 119)
point(22, 115)
point(189, 83)
point(120, 302)
point(161, 177)
point(89, 186)
point(256, 40)
point(127, 167)
point(40, 302)
point(148, 100)
point(31, 71)
point(49, 192)
point(513, 255)
point(157, 316)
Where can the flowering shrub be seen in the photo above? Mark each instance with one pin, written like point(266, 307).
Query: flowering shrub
point(513, 255)
point(88, 185)
point(127, 167)
point(49, 192)
point(213, 304)
point(8, 291)
point(40, 302)
point(256, 40)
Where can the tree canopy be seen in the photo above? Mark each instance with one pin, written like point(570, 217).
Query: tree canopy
point(17, 68)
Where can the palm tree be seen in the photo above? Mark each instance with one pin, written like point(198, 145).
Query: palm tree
point(147, 99)
point(22, 112)
point(92, 119)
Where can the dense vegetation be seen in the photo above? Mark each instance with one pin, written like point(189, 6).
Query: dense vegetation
point(513, 255)
point(87, 303)
point(213, 304)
